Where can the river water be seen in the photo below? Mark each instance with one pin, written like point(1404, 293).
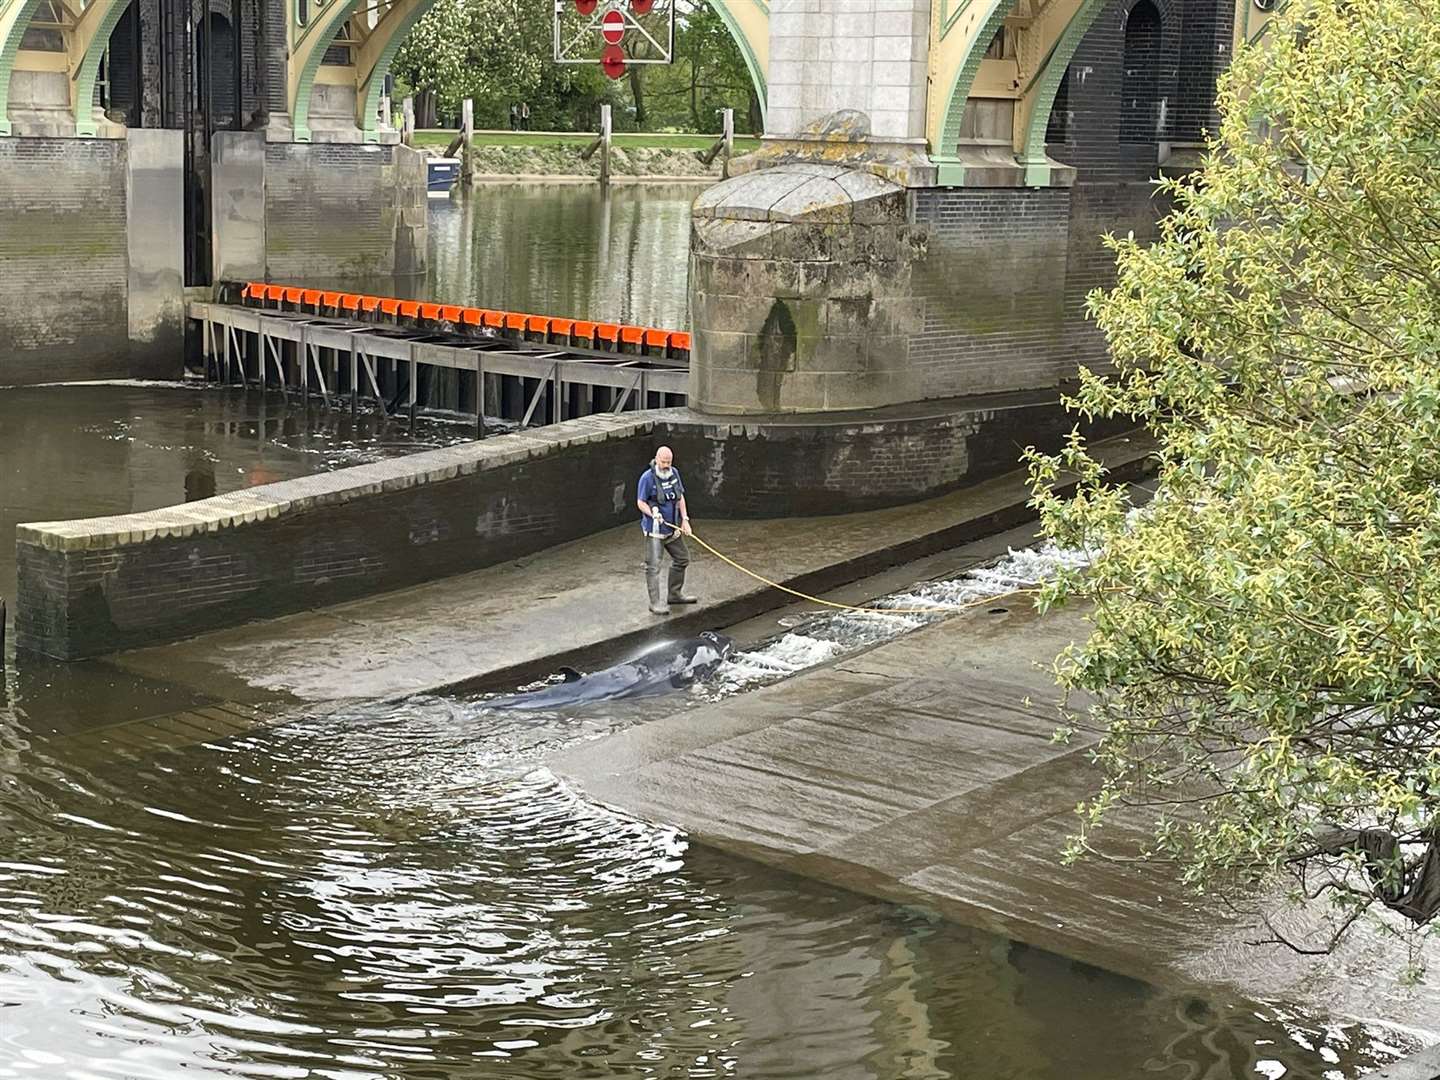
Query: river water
point(402, 890)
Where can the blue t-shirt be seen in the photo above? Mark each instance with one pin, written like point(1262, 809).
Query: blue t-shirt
point(665, 493)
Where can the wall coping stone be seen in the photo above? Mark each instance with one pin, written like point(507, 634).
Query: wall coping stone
point(268, 501)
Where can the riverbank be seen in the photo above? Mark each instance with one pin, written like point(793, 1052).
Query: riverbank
point(923, 772)
point(635, 157)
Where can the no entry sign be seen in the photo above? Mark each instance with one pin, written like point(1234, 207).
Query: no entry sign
point(612, 27)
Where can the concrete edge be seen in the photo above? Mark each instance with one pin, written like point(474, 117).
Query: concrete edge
point(269, 501)
point(1124, 465)
point(1421, 1065)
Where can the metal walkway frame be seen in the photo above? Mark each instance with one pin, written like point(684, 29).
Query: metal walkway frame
point(228, 332)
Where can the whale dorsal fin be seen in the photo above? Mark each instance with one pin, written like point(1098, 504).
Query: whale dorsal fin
point(570, 674)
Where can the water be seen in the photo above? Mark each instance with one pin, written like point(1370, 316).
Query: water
point(400, 891)
point(818, 639)
point(86, 451)
point(568, 250)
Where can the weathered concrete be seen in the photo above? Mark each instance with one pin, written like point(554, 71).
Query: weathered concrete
point(571, 604)
point(237, 205)
point(923, 772)
point(95, 585)
point(1422, 1066)
point(801, 297)
point(154, 187)
point(63, 260)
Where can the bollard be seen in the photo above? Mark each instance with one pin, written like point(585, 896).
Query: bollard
point(467, 135)
point(605, 144)
point(407, 121)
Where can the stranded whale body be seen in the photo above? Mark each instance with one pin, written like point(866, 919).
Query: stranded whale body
point(671, 666)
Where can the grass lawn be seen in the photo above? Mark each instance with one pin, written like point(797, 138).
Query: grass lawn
point(442, 138)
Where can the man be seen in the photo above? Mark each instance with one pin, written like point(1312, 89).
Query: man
point(666, 521)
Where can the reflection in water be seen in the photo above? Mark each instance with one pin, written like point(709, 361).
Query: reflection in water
point(87, 451)
point(396, 891)
point(401, 890)
point(570, 250)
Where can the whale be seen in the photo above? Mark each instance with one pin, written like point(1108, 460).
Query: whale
point(670, 666)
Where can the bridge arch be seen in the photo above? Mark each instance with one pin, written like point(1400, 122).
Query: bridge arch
point(747, 20)
point(1041, 39)
point(14, 20)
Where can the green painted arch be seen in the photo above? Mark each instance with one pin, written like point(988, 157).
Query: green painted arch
point(959, 91)
point(83, 86)
point(370, 92)
point(8, 48)
point(1032, 152)
point(331, 17)
point(375, 81)
point(752, 62)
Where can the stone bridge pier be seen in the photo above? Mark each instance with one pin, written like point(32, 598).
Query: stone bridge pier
point(923, 220)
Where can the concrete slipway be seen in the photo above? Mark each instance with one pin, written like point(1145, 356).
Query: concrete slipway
point(921, 771)
point(577, 603)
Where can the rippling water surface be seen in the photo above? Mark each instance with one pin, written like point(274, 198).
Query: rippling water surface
point(401, 890)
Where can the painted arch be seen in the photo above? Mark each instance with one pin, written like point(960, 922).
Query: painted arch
point(747, 20)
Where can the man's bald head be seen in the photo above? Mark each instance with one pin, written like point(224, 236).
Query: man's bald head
point(664, 456)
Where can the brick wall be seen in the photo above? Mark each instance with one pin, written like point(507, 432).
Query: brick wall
point(993, 286)
point(343, 211)
point(1007, 270)
point(63, 262)
point(1090, 131)
point(95, 586)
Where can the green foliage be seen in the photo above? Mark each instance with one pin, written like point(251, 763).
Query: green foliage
point(498, 52)
point(1265, 645)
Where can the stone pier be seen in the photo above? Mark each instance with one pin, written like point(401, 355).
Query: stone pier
point(924, 217)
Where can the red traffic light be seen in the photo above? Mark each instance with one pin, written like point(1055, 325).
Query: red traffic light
point(642, 7)
point(584, 7)
point(612, 61)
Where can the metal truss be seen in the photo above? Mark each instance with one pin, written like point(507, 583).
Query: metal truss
point(578, 38)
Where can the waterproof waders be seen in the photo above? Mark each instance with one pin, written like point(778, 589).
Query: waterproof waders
point(674, 546)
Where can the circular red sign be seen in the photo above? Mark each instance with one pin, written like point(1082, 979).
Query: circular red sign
point(612, 61)
point(642, 7)
point(584, 7)
point(612, 27)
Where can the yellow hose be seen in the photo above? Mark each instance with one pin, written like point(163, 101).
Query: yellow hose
point(868, 610)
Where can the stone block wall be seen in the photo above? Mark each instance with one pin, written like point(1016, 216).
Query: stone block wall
point(801, 292)
point(868, 55)
point(65, 263)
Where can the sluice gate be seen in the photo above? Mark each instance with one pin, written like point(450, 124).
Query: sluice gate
point(404, 355)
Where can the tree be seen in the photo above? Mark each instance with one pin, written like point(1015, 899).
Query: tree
point(498, 52)
point(1264, 651)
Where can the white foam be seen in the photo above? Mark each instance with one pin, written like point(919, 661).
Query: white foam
point(827, 637)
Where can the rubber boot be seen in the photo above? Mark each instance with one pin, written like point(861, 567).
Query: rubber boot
point(678, 595)
point(652, 579)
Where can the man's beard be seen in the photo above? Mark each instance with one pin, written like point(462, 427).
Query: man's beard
point(663, 473)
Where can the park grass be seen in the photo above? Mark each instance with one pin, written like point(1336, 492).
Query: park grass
point(440, 138)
